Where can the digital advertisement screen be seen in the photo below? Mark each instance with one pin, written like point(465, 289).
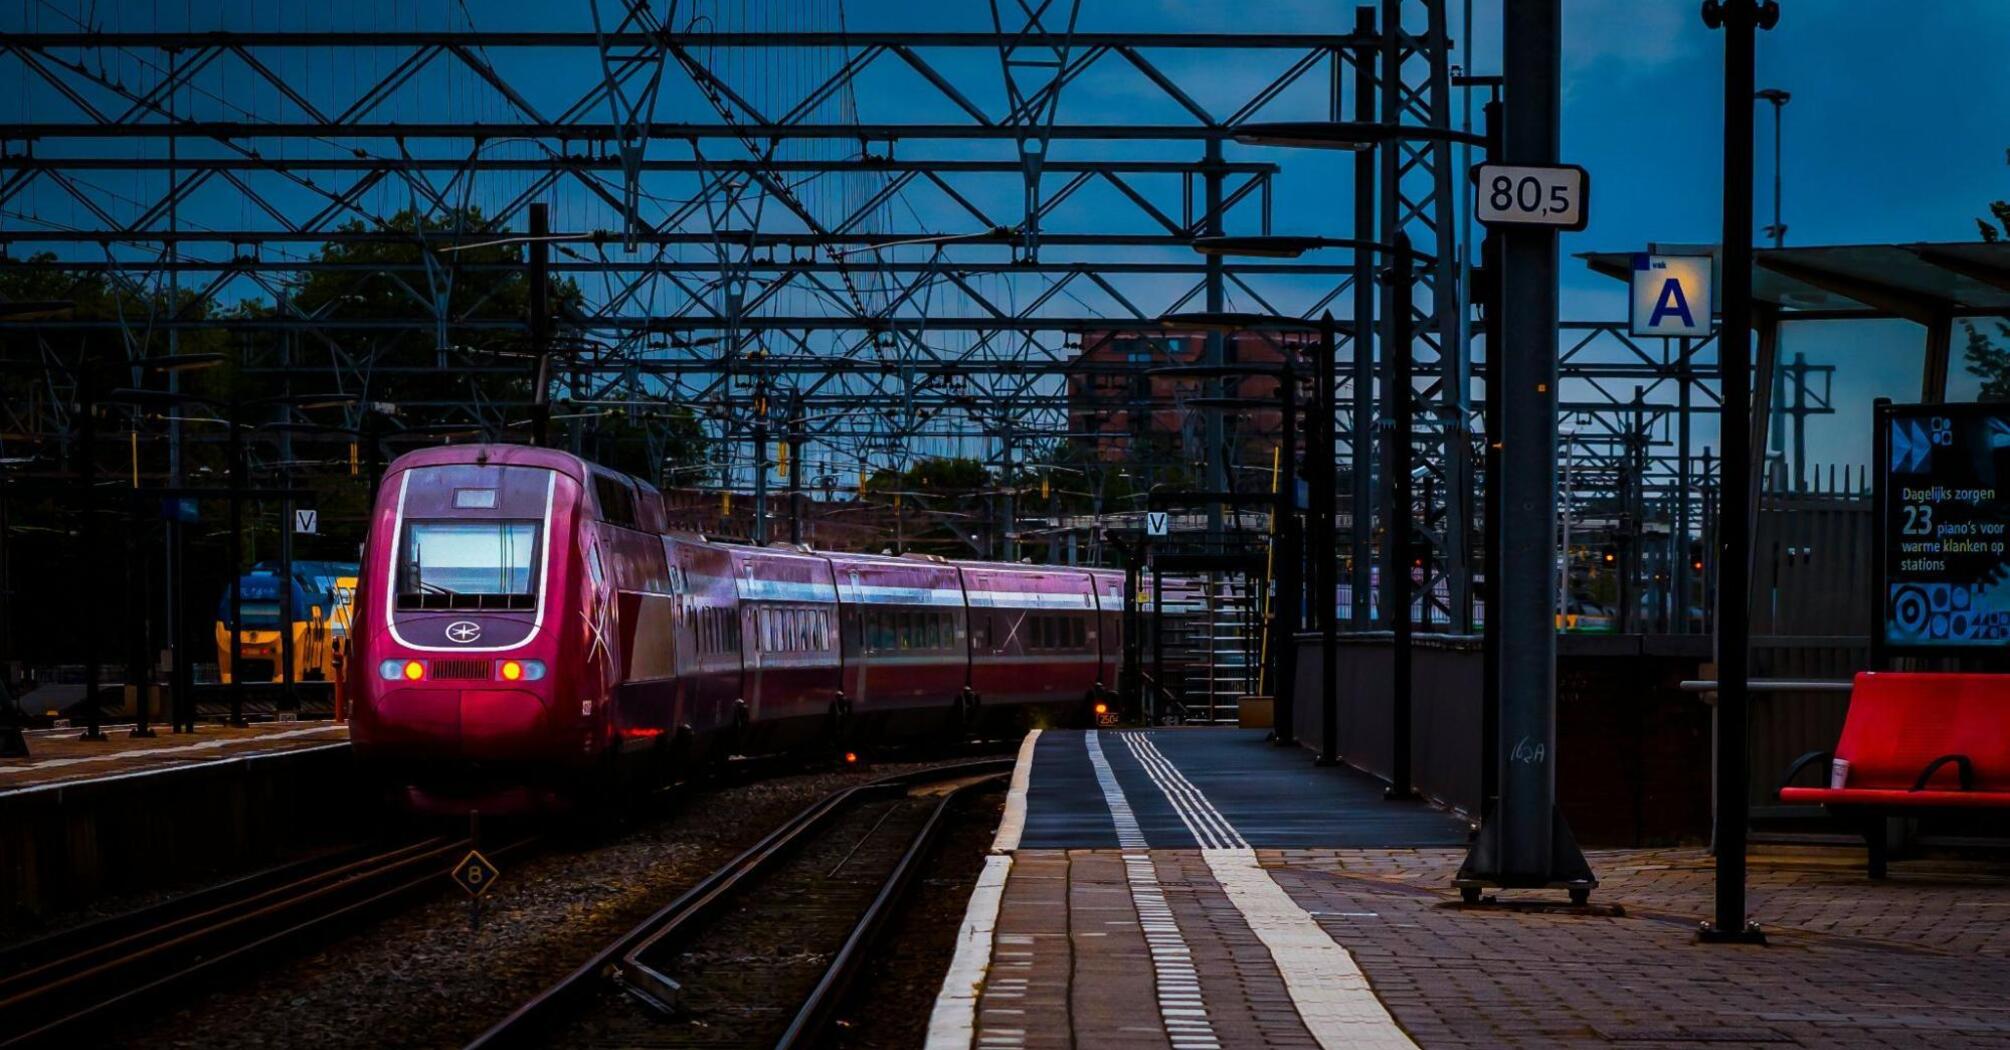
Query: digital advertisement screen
point(1943, 525)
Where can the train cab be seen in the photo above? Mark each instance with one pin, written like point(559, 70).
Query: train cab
point(1035, 639)
point(476, 588)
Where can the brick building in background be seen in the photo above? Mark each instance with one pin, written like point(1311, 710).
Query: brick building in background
point(1122, 413)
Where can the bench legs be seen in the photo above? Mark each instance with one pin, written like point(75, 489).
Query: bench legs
point(1877, 837)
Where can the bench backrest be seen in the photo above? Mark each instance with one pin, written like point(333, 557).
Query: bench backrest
point(1899, 722)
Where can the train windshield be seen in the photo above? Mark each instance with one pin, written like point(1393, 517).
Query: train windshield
point(468, 565)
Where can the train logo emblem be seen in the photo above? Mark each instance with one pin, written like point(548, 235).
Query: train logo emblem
point(463, 631)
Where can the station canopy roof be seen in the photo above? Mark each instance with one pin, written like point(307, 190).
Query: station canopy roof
point(1926, 283)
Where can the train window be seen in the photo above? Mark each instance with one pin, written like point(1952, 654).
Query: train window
point(617, 503)
point(1081, 634)
point(980, 632)
point(468, 565)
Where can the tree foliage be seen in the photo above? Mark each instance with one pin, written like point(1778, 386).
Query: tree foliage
point(1983, 358)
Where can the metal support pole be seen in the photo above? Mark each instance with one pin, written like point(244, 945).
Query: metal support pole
point(1328, 589)
point(87, 552)
point(1286, 608)
point(288, 699)
point(1362, 500)
point(761, 461)
point(179, 679)
point(1490, 626)
point(1398, 514)
point(235, 450)
point(1880, 451)
point(1740, 19)
point(795, 468)
point(1008, 526)
point(137, 678)
point(540, 322)
point(1800, 411)
point(1527, 843)
point(1680, 574)
point(1213, 423)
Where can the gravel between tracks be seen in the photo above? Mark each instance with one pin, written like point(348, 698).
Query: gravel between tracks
point(421, 978)
point(888, 1008)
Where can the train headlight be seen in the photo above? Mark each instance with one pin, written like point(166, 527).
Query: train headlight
point(392, 670)
point(521, 670)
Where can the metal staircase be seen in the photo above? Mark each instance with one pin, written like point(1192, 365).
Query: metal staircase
point(1228, 654)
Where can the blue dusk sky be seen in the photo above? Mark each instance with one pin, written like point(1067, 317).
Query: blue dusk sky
point(1896, 132)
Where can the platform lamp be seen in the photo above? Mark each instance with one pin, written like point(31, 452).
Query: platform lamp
point(1740, 20)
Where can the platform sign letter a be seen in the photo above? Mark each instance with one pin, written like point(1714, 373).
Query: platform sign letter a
point(1671, 302)
point(1671, 295)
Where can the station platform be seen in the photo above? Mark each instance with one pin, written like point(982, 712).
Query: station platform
point(58, 756)
point(1204, 912)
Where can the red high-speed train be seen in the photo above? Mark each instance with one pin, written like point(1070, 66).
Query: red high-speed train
point(528, 634)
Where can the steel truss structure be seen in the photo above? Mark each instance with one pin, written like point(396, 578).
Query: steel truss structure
point(909, 235)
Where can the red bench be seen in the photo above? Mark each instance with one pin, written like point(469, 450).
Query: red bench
point(1914, 743)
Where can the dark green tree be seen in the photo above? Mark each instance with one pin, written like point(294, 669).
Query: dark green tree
point(1983, 357)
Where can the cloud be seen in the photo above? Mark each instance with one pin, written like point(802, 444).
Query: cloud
point(1632, 35)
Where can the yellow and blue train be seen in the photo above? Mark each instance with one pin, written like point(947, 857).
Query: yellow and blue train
point(323, 592)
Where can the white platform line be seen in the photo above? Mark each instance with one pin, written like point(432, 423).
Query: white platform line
point(1331, 993)
point(1209, 827)
point(1013, 825)
point(1182, 1011)
point(953, 1023)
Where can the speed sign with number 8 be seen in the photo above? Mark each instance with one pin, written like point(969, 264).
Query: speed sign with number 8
point(1513, 195)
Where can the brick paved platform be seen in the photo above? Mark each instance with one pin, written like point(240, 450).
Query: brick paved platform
point(1127, 945)
point(56, 755)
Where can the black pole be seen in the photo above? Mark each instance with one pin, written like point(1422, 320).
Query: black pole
point(137, 678)
point(182, 674)
point(760, 460)
point(1326, 542)
point(87, 552)
point(1158, 636)
point(235, 449)
point(1287, 607)
point(1740, 20)
point(796, 468)
point(1487, 283)
point(1880, 453)
point(1398, 515)
point(540, 323)
point(1527, 843)
point(288, 699)
point(1363, 491)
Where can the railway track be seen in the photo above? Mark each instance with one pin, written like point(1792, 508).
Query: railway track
point(760, 953)
point(57, 987)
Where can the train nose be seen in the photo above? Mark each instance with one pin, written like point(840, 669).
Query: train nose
point(476, 724)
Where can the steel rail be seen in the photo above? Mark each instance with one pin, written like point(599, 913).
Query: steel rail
point(622, 958)
point(60, 996)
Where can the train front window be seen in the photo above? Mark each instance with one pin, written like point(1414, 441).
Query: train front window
point(468, 565)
